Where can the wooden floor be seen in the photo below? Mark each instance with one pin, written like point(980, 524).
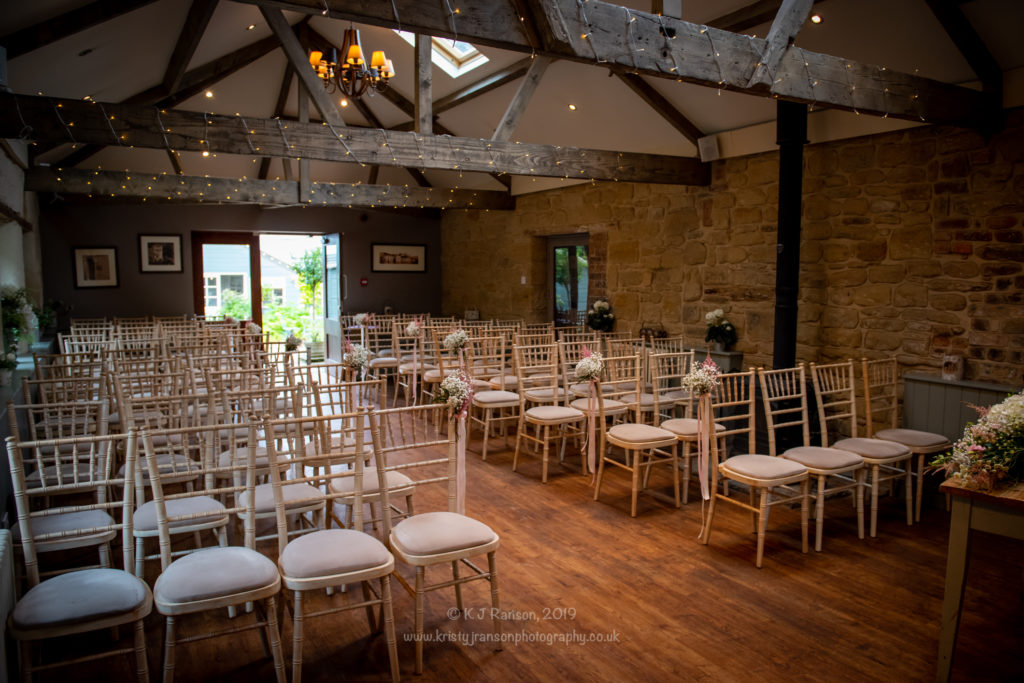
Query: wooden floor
point(591, 594)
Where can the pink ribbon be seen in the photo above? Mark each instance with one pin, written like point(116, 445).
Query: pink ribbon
point(591, 430)
point(415, 370)
point(460, 466)
point(704, 427)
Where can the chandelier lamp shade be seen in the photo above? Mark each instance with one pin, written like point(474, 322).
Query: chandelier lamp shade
point(352, 76)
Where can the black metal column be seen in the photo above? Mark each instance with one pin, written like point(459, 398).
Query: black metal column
point(791, 129)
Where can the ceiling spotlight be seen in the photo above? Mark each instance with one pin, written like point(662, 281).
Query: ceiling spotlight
point(344, 102)
point(572, 107)
point(209, 93)
point(206, 153)
point(250, 27)
point(815, 18)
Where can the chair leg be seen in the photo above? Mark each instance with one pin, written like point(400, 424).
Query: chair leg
point(275, 639)
point(140, 555)
point(458, 586)
point(819, 513)
point(141, 662)
point(600, 471)
point(371, 619)
point(706, 531)
point(418, 621)
point(487, 433)
point(874, 499)
point(762, 522)
point(389, 626)
point(519, 441)
point(909, 492)
point(805, 504)
point(104, 550)
point(636, 481)
point(297, 637)
point(686, 472)
point(919, 494)
point(544, 456)
point(169, 650)
point(492, 570)
point(861, 473)
point(26, 661)
point(674, 463)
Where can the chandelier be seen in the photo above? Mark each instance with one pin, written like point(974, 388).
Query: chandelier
point(352, 77)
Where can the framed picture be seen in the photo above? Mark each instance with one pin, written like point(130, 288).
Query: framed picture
point(160, 254)
point(95, 267)
point(399, 258)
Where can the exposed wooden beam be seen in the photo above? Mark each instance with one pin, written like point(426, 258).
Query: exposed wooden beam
point(282, 98)
point(970, 44)
point(9, 213)
point(671, 48)
point(300, 62)
point(521, 99)
point(51, 30)
point(790, 19)
point(175, 162)
point(747, 17)
point(483, 86)
point(304, 183)
point(198, 18)
point(196, 189)
point(660, 104)
point(522, 8)
point(374, 175)
point(423, 92)
point(226, 134)
point(372, 119)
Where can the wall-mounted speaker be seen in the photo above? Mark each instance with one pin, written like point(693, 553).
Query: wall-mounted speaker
point(708, 148)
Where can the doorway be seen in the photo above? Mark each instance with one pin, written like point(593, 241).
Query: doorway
point(568, 279)
point(226, 275)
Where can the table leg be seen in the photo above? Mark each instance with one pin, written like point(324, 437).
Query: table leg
point(956, 577)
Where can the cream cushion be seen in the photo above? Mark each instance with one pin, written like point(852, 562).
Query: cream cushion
point(69, 521)
point(817, 458)
point(686, 426)
point(241, 454)
point(611, 406)
point(503, 381)
point(395, 481)
point(873, 449)
point(81, 596)
point(757, 466)
point(433, 533)
point(553, 414)
point(634, 433)
point(545, 394)
point(332, 551)
point(432, 375)
point(407, 368)
point(487, 398)
point(213, 573)
point(914, 439)
point(210, 509)
point(384, 362)
point(295, 495)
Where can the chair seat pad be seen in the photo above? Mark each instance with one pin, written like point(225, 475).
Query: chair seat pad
point(407, 368)
point(647, 400)
point(817, 458)
point(686, 426)
point(503, 381)
point(87, 475)
point(212, 573)
point(332, 551)
point(81, 596)
point(295, 496)
point(635, 433)
point(611, 406)
point(874, 449)
point(553, 414)
point(545, 394)
point(241, 454)
point(395, 481)
point(913, 438)
point(586, 388)
point(69, 521)
point(434, 533)
point(144, 517)
point(757, 466)
point(487, 398)
point(384, 362)
point(678, 394)
point(432, 375)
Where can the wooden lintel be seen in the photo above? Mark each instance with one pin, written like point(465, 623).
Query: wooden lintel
point(282, 98)
point(517, 107)
point(198, 18)
point(790, 19)
point(175, 162)
point(659, 103)
point(423, 67)
point(140, 127)
point(607, 34)
point(51, 30)
point(197, 189)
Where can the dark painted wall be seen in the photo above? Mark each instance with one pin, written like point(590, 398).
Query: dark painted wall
point(65, 227)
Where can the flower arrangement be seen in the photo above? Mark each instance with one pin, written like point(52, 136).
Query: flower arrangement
point(719, 328)
point(414, 328)
point(230, 320)
point(253, 328)
point(991, 450)
point(14, 302)
point(356, 356)
point(456, 340)
point(455, 392)
point(702, 379)
point(8, 361)
point(590, 367)
point(362, 319)
point(600, 316)
point(293, 343)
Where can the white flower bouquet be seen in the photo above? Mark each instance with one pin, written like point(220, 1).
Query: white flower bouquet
point(590, 367)
point(362, 319)
point(455, 392)
point(8, 361)
point(414, 328)
point(702, 379)
point(356, 356)
point(600, 316)
point(456, 340)
point(719, 328)
point(292, 343)
point(253, 328)
point(991, 450)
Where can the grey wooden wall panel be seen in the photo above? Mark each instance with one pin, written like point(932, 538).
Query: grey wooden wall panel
point(933, 404)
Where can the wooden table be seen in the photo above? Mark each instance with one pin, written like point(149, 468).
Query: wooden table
point(998, 512)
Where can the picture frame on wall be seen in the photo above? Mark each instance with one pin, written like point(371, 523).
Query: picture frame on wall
point(398, 258)
point(95, 267)
point(160, 254)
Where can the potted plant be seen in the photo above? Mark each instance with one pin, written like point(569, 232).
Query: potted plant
point(720, 331)
point(8, 362)
point(14, 302)
point(600, 316)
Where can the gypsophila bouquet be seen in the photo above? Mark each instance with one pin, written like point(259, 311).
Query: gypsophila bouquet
point(600, 316)
point(702, 379)
point(991, 450)
point(590, 367)
point(455, 392)
point(230, 320)
point(456, 340)
point(292, 343)
point(253, 328)
point(362, 319)
point(719, 328)
point(414, 328)
point(8, 361)
point(356, 356)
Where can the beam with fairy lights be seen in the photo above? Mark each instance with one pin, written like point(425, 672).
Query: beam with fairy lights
point(48, 120)
point(653, 45)
point(131, 186)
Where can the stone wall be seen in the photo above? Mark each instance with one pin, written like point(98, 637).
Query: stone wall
point(912, 245)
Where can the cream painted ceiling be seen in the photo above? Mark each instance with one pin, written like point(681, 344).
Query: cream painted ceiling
point(128, 54)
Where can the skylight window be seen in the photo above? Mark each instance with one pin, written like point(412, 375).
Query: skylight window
point(453, 56)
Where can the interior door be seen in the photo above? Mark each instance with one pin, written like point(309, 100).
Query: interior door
point(568, 278)
point(334, 296)
point(226, 275)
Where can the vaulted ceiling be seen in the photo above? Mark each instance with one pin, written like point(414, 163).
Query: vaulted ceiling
point(117, 51)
